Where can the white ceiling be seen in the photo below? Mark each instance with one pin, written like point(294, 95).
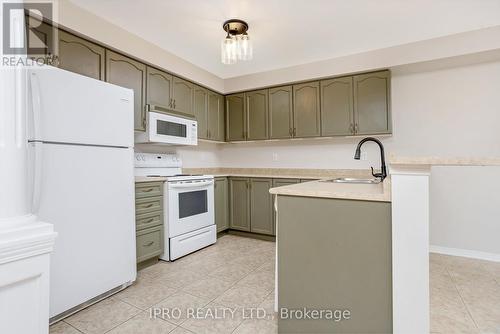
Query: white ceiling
point(291, 32)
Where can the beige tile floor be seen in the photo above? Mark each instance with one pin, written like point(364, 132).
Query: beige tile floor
point(465, 295)
point(238, 273)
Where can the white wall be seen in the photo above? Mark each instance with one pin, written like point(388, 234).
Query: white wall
point(455, 112)
point(465, 211)
point(203, 155)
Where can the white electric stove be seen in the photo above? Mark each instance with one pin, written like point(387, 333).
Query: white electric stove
point(188, 204)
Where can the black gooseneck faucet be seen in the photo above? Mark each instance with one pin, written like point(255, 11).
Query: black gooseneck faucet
point(383, 168)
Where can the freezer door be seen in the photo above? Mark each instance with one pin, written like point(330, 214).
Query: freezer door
point(87, 193)
point(65, 107)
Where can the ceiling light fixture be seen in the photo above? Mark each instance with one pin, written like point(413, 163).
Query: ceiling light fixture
point(237, 44)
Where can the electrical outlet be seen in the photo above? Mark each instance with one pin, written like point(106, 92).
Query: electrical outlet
point(275, 156)
point(364, 156)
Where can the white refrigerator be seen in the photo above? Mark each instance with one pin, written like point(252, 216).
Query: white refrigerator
point(80, 135)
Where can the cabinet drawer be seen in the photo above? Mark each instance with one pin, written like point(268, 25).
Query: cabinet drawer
point(148, 204)
point(149, 243)
point(148, 220)
point(148, 189)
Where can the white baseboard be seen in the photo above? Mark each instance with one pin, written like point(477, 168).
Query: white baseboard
point(465, 253)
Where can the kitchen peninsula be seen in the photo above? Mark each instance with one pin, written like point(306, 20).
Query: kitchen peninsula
point(334, 253)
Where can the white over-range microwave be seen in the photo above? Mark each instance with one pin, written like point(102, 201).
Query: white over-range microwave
point(168, 129)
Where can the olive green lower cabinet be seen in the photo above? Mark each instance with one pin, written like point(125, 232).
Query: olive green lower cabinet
point(148, 221)
point(284, 182)
point(221, 203)
point(334, 254)
point(251, 205)
point(261, 206)
point(149, 243)
point(239, 203)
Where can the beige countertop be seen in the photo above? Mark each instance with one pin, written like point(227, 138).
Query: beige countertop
point(366, 192)
point(443, 161)
point(150, 179)
point(276, 173)
point(284, 173)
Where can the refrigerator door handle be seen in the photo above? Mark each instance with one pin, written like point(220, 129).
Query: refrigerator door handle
point(36, 106)
point(37, 176)
point(37, 146)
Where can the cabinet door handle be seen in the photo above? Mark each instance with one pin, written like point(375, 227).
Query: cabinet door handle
point(294, 131)
point(147, 205)
point(148, 244)
point(356, 128)
point(174, 103)
point(148, 190)
point(150, 220)
point(351, 128)
point(290, 132)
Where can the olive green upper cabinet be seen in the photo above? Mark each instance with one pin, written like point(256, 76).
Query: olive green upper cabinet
point(182, 95)
point(201, 111)
point(159, 90)
point(371, 103)
point(221, 203)
point(306, 110)
point(280, 112)
point(126, 72)
point(337, 110)
point(81, 56)
point(239, 203)
point(41, 35)
point(257, 114)
point(215, 116)
point(235, 117)
point(261, 206)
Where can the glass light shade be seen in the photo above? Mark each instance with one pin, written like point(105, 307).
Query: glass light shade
point(229, 50)
point(245, 50)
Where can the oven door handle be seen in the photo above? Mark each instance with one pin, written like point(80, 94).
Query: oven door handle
point(191, 184)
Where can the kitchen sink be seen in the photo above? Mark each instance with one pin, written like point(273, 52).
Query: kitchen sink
point(353, 180)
